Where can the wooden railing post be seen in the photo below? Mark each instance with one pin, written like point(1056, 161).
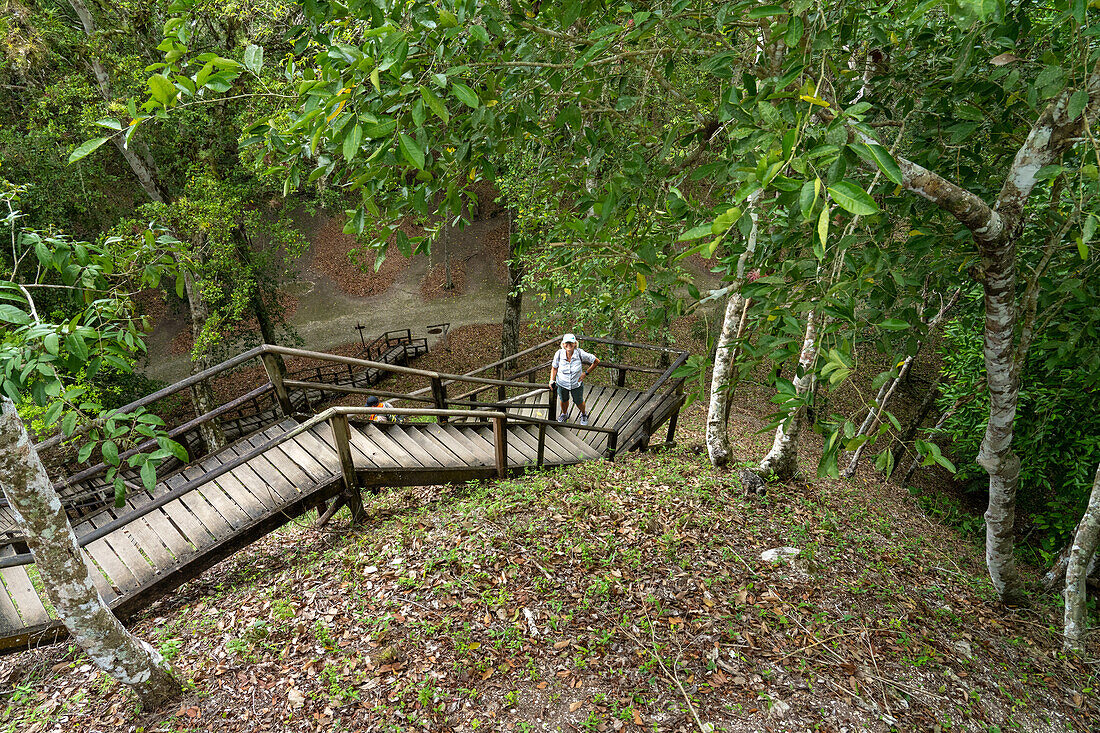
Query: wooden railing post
point(276, 370)
point(439, 393)
point(552, 408)
point(612, 445)
point(620, 378)
point(542, 442)
point(500, 440)
point(670, 439)
point(501, 390)
point(341, 434)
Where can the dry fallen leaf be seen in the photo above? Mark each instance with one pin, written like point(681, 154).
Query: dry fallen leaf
point(576, 706)
point(637, 718)
point(296, 698)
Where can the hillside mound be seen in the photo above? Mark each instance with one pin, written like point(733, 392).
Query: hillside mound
point(608, 596)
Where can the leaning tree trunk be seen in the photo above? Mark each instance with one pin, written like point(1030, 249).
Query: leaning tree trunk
point(782, 459)
point(513, 302)
point(717, 438)
point(61, 563)
point(1084, 548)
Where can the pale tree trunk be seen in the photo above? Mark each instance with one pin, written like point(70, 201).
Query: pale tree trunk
point(874, 415)
point(1084, 549)
point(717, 438)
point(996, 230)
point(60, 562)
point(202, 396)
point(782, 459)
point(513, 302)
point(141, 164)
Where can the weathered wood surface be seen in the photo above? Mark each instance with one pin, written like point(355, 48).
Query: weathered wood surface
point(152, 554)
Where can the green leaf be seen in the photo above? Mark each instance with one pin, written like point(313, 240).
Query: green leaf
point(1082, 249)
point(85, 452)
point(11, 314)
point(703, 230)
point(376, 80)
point(411, 151)
point(466, 95)
point(853, 199)
point(110, 123)
point(177, 450)
point(74, 342)
point(149, 475)
point(881, 157)
point(435, 104)
point(162, 90)
point(253, 58)
point(894, 324)
point(68, 424)
point(1089, 228)
point(764, 11)
point(86, 149)
point(807, 199)
point(110, 453)
point(823, 226)
point(120, 493)
point(52, 412)
point(352, 141)
point(379, 129)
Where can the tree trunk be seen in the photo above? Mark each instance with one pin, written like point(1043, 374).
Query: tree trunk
point(62, 566)
point(1084, 548)
point(911, 429)
point(513, 302)
point(202, 396)
point(717, 438)
point(782, 459)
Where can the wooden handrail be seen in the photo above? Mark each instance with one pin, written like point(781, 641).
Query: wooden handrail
point(651, 391)
point(159, 394)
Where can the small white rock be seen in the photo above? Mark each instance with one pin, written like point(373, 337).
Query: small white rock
point(780, 553)
point(780, 709)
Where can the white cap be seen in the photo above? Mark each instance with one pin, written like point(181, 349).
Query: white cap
point(568, 338)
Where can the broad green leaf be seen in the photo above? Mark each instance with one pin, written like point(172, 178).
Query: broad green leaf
point(162, 90)
point(894, 324)
point(352, 140)
point(11, 314)
point(1089, 228)
point(411, 151)
point(1077, 103)
point(86, 149)
point(823, 226)
point(253, 58)
point(50, 342)
point(120, 493)
point(853, 199)
point(641, 281)
point(1082, 249)
point(764, 11)
point(85, 452)
point(52, 412)
point(149, 475)
point(881, 157)
point(724, 221)
point(435, 104)
point(110, 453)
point(110, 123)
point(74, 342)
point(379, 129)
point(68, 424)
point(177, 450)
point(376, 80)
point(807, 199)
point(703, 230)
point(466, 95)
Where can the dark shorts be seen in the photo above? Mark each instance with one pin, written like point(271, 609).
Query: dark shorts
point(577, 392)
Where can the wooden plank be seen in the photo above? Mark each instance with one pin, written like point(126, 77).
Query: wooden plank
point(321, 451)
point(182, 518)
point(226, 504)
point(9, 617)
point(521, 451)
point(126, 551)
point(118, 575)
point(440, 447)
point(559, 450)
point(394, 449)
point(152, 532)
point(572, 448)
point(364, 438)
point(24, 595)
point(309, 463)
point(420, 455)
point(289, 468)
point(100, 579)
point(262, 479)
point(213, 525)
point(479, 455)
point(324, 432)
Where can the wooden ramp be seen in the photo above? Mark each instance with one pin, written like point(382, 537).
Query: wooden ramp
point(209, 509)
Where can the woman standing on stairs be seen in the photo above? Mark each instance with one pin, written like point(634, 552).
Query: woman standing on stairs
point(567, 374)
